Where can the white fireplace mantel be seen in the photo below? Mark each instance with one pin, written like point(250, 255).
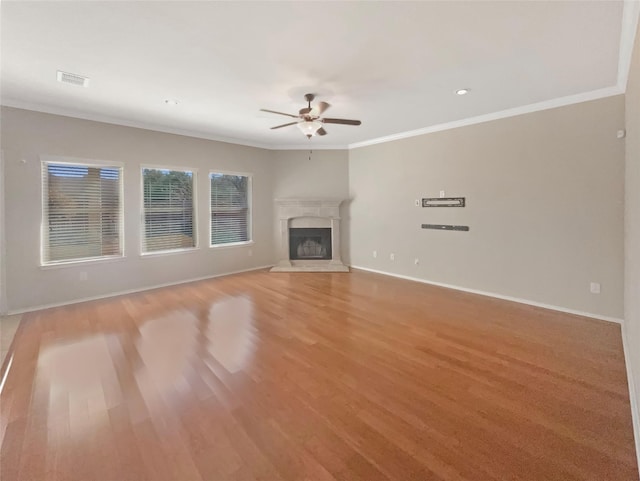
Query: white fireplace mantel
point(309, 212)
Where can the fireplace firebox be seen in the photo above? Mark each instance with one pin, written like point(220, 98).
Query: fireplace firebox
point(309, 243)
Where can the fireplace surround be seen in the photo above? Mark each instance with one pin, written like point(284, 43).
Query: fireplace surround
point(309, 236)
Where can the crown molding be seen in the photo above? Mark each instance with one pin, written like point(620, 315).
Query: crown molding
point(628, 32)
point(630, 15)
point(524, 109)
point(48, 109)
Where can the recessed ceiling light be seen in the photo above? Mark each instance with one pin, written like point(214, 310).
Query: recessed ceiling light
point(462, 91)
point(171, 102)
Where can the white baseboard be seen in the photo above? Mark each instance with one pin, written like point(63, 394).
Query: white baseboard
point(497, 296)
point(633, 400)
point(132, 291)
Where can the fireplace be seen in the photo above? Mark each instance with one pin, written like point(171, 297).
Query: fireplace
point(309, 236)
point(309, 243)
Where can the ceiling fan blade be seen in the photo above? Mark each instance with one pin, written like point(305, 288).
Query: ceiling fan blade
point(279, 113)
point(341, 121)
point(320, 108)
point(283, 125)
point(321, 131)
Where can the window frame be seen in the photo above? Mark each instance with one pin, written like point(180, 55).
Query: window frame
point(45, 160)
point(194, 203)
point(250, 240)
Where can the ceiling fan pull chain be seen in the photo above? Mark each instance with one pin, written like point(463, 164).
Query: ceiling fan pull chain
point(310, 153)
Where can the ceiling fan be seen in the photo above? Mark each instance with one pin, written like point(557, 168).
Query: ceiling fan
point(310, 120)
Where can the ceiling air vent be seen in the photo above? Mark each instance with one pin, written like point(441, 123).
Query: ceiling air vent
point(73, 79)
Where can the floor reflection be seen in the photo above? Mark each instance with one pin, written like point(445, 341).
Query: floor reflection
point(166, 346)
point(164, 364)
point(282, 377)
point(230, 332)
point(175, 349)
point(79, 382)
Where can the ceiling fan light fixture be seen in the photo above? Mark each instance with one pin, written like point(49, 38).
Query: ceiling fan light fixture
point(310, 120)
point(309, 127)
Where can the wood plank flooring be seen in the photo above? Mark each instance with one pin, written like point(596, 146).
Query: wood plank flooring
point(8, 328)
point(321, 377)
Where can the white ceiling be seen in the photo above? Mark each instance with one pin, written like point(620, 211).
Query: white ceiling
point(393, 65)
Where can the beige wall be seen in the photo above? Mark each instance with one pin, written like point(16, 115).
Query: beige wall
point(3, 283)
point(544, 193)
point(632, 218)
point(27, 135)
point(325, 175)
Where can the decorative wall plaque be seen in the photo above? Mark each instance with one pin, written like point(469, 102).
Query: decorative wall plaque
point(443, 202)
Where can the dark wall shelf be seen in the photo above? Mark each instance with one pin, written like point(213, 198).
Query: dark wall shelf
point(443, 202)
point(445, 227)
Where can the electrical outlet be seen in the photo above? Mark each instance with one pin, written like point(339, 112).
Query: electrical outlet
point(417, 201)
point(375, 254)
point(595, 288)
point(392, 256)
point(416, 261)
point(84, 276)
point(442, 194)
point(250, 252)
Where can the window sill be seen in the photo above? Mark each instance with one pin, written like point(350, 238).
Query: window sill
point(169, 252)
point(82, 262)
point(231, 245)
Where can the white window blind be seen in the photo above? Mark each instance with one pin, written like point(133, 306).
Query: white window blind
point(82, 212)
point(230, 210)
point(168, 210)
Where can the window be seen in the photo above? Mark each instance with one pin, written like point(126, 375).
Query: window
point(230, 212)
point(168, 210)
point(82, 212)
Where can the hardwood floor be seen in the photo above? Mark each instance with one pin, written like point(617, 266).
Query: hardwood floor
point(8, 327)
point(263, 376)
